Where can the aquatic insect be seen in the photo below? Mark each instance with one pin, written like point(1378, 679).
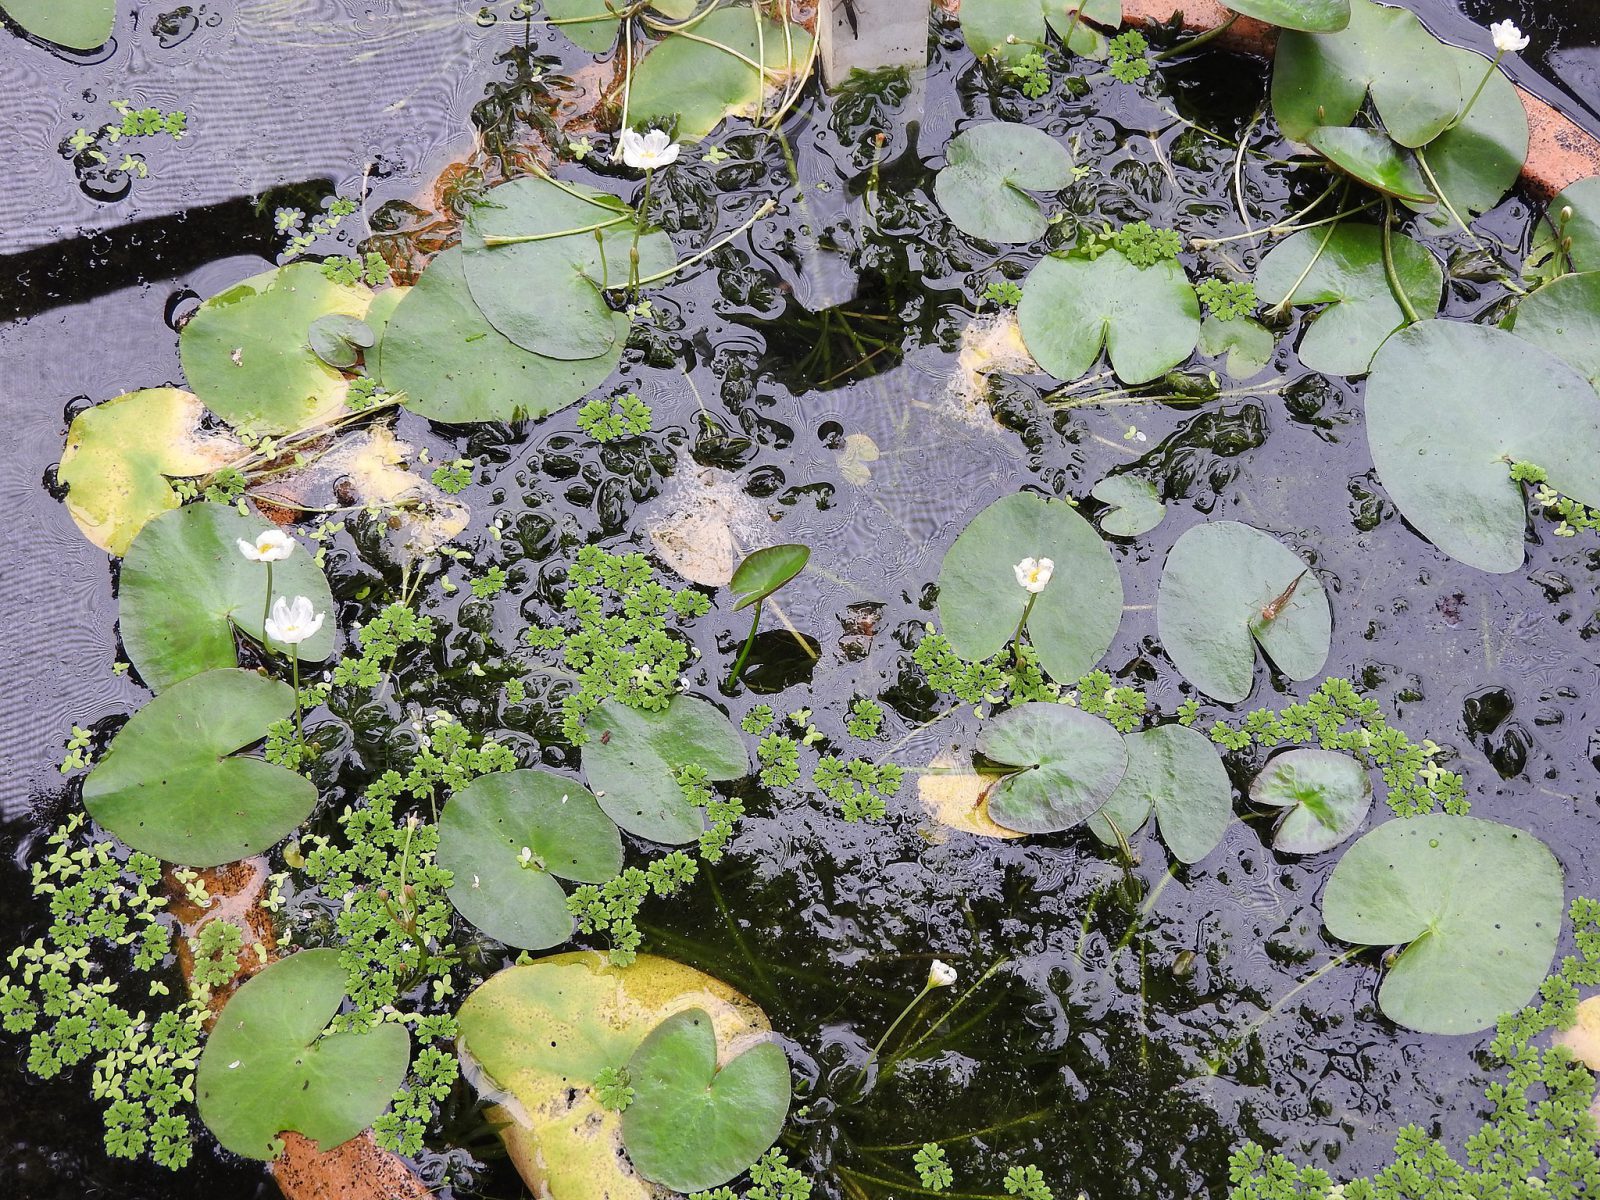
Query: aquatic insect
point(1272, 611)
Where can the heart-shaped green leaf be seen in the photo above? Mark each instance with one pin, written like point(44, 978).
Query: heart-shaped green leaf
point(1135, 505)
point(185, 588)
point(1009, 30)
point(632, 760)
point(454, 366)
point(247, 351)
point(1472, 165)
point(1372, 158)
point(989, 171)
point(1478, 902)
point(1176, 772)
point(1563, 317)
point(584, 241)
point(701, 79)
point(1227, 587)
point(1325, 796)
point(538, 1036)
point(121, 454)
point(1445, 416)
point(169, 786)
point(1247, 343)
point(1313, 16)
point(1148, 318)
point(507, 838)
point(75, 24)
point(1323, 78)
point(1342, 267)
point(1073, 619)
point(271, 1065)
point(766, 570)
point(339, 340)
point(1066, 764)
point(693, 1125)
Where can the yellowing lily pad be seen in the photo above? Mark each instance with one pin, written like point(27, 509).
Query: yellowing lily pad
point(536, 1037)
point(957, 795)
point(247, 351)
point(121, 454)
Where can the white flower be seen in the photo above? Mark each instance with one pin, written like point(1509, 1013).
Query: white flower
point(1033, 574)
point(941, 974)
point(271, 545)
point(292, 623)
point(1508, 38)
point(647, 151)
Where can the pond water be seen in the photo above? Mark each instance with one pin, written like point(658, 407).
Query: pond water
point(1081, 1055)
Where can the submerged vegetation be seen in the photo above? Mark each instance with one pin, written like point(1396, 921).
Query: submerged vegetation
point(386, 851)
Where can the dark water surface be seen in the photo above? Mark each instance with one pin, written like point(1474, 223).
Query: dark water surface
point(1084, 1060)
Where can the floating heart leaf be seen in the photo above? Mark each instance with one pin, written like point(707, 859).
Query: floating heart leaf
point(693, 1125)
point(75, 24)
point(1147, 317)
point(1325, 796)
point(1247, 343)
point(1313, 16)
point(1009, 30)
point(169, 785)
point(1227, 587)
point(1371, 158)
point(1065, 766)
point(1178, 773)
point(338, 340)
point(1323, 78)
point(766, 570)
point(712, 75)
point(185, 589)
point(1342, 267)
point(271, 1065)
point(989, 171)
point(120, 455)
point(1563, 317)
point(1444, 417)
point(583, 242)
point(632, 760)
point(507, 838)
point(1478, 902)
point(1471, 166)
point(1135, 505)
point(454, 366)
point(1072, 621)
point(536, 1037)
point(247, 351)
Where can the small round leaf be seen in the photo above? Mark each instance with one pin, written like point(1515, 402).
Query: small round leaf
point(1325, 796)
point(1065, 766)
point(1478, 902)
point(247, 351)
point(1135, 505)
point(1072, 621)
point(271, 1065)
point(1370, 157)
point(169, 785)
point(989, 171)
point(1148, 318)
point(186, 588)
point(632, 758)
point(1176, 772)
point(483, 831)
point(1227, 587)
point(693, 1125)
point(1444, 420)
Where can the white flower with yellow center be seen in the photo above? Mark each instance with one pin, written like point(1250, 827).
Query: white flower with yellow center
point(1033, 574)
point(292, 622)
point(1508, 39)
point(648, 151)
point(271, 545)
